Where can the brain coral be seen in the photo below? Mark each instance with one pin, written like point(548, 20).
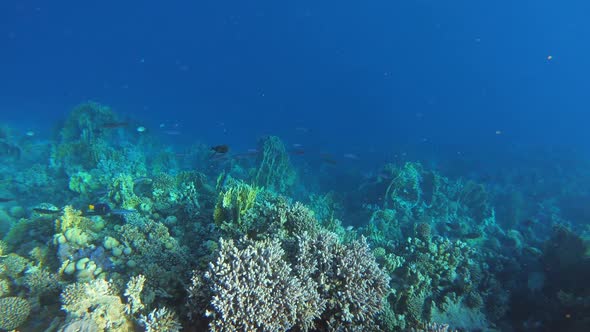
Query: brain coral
point(14, 311)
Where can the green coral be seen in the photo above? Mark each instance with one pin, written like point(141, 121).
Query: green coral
point(14, 265)
point(14, 311)
point(274, 171)
point(4, 286)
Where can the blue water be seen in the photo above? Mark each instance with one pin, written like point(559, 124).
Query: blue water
point(490, 91)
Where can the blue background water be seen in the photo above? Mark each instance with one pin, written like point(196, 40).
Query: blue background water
point(371, 78)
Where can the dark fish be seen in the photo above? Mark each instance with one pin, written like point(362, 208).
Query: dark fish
point(328, 159)
point(6, 199)
point(220, 149)
point(99, 209)
point(527, 223)
point(46, 211)
point(453, 225)
point(472, 235)
point(9, 150)
point(111, 125)
point(103, 209)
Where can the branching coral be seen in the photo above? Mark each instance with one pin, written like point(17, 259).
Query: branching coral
point(133, 294)
point(40, 281)
point(253, 289)
point(319, 284)
point(348, 278)
point(13, 265)
point(14, 311)
point(160, 320)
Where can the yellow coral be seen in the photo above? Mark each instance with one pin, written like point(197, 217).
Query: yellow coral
point(233, 203)
point(123, 193)
point(71, 218)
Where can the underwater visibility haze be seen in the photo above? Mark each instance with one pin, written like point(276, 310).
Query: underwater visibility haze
point(294, 166)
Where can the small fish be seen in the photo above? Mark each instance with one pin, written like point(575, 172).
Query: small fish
point(6, 199)
point(141, 129)
point(46, 211)
point(112, 125)
point(351, 156)
point(527, 223)
point(221, 149)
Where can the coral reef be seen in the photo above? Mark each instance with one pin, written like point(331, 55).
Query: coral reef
point(404, 248)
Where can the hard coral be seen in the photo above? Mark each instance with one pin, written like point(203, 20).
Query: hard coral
point(96, 301)
point(253, 289)
point(160, 320)
point(348, 279)
point(14, 311)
